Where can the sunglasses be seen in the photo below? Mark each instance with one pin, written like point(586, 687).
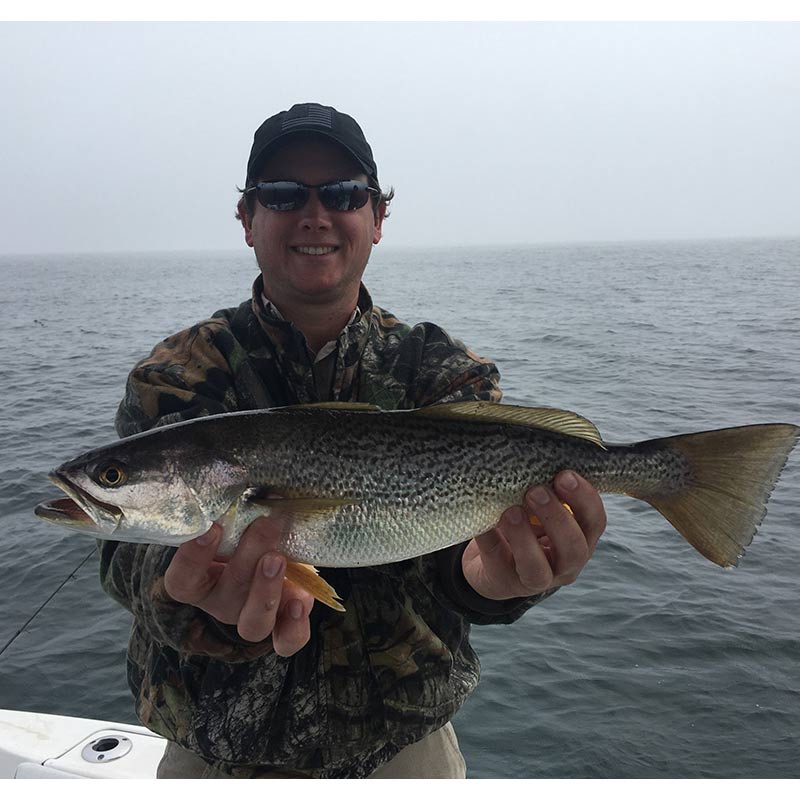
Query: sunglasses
point(291, 195)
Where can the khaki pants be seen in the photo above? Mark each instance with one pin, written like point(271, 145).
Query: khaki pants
point(435, 756)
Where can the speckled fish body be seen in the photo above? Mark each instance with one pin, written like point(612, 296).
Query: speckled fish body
point(363, 486)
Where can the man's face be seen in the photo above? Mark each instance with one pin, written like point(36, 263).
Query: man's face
point(292, 274)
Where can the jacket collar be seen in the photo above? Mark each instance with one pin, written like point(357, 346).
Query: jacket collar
point(272, 321)
point(292, 351)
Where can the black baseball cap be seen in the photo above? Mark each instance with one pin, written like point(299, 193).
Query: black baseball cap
point(311, 118)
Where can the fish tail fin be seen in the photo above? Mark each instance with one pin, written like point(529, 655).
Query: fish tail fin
point(732, 473)
point(306, 577)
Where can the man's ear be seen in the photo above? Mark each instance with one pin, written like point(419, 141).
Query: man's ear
point(380, 214)
point(246, 220)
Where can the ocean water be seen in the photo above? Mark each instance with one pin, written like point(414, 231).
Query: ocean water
point(655, 663)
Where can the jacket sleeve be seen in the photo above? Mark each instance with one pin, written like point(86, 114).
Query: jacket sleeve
point(450, 372)
point(447, 370)
point(453, 590)
point(185, 376)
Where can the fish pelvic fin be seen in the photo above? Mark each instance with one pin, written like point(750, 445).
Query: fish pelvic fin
point(555, 420)
point(732, 474)
point(306, 577)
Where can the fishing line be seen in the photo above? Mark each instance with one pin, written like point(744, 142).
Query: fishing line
point(38, 610)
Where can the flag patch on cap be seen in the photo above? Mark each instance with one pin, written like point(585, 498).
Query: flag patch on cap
point(311, 115)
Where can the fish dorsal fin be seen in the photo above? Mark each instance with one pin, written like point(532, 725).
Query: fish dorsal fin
point(550, 419)
point(336, 406)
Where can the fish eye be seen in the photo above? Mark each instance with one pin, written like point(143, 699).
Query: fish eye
point(111, 475)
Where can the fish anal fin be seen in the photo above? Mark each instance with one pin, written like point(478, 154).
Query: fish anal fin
point(555, 420)
point(306, 577)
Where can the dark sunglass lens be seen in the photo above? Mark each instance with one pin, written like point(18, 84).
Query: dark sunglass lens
point(344, 195)
point(282, 195)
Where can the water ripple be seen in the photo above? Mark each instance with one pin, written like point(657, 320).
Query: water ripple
point(653, 664)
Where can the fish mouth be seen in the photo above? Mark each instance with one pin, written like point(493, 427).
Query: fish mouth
point(65, 511)
point(79, 509)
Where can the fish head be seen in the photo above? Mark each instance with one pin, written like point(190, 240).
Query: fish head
point(141, 489)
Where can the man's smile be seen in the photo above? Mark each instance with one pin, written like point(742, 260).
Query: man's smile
point(315, 250)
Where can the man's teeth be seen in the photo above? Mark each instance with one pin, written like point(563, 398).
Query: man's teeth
point(315, 251)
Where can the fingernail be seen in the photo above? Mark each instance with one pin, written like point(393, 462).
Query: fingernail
point(568, 481)
point(207, 538)
point(514, 515)
point(271, 566)
point(539, 496)
point(295, 609)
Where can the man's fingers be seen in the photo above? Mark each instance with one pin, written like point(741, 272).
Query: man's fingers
point(233, 587)
point(508, 561)
point(260, 609)
point(247, 590)
point(276, 606)
point(530, 560)
point(569, 548)
point(190, 577)
point(492, 545)
point(292, 627)
point(586, 504)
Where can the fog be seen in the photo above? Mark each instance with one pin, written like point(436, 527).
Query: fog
point(134, 136)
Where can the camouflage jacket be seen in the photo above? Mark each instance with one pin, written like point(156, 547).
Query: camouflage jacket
point(392, 669)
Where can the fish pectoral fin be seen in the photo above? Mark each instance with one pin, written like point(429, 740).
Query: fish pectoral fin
point(306, 577)
point(303, 506)
point(550, 419)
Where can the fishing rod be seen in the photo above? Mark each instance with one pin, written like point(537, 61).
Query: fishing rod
point(38, 610)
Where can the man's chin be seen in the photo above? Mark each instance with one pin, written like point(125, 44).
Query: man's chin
point(316, 290)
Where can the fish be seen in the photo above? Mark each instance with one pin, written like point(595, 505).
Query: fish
point(361, 486)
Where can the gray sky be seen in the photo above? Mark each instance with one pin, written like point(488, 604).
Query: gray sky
point(133, 136)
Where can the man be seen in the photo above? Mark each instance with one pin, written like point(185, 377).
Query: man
point(241, 670)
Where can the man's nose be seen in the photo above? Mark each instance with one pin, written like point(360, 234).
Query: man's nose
point(315, 215)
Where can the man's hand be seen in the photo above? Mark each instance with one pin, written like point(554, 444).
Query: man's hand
point(247, 589)
point(518, 558)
